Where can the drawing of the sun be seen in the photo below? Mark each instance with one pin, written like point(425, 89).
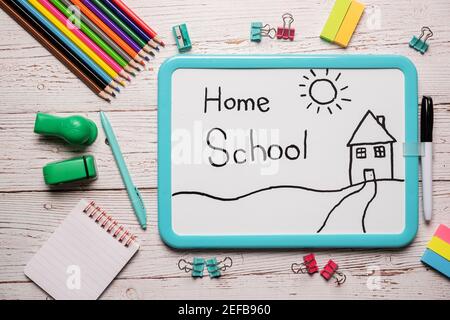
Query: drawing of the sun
point(323, 91)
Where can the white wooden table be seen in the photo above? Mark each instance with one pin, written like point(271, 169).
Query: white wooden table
point(32, 80)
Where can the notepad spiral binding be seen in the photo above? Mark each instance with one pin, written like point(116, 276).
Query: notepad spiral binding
point(109, 224)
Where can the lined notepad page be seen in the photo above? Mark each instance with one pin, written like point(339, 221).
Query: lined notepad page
point(81, 258)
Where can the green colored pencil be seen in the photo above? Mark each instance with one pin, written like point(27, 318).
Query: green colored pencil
point(92, 35)
point(119, 22)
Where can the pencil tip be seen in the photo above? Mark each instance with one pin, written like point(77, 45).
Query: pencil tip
point(147, 58)
point(152, 53)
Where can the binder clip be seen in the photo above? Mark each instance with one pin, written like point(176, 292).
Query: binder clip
point(286, 32)
point(196, 266)
point(257, 31)
point(330, 271)
point(182, 39)
point(309, 265)
point(420, 44)
point(215, 267)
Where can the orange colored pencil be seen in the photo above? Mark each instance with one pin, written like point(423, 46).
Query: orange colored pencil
point(88, 13)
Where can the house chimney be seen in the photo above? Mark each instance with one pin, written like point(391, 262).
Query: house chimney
point(381, 120)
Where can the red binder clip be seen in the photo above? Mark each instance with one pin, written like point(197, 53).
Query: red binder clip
point(286, 32)
point(309, 265)
point(330, 271)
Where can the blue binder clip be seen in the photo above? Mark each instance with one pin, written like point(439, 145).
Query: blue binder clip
point(182, 39)
point(215, 267)
point(420, 43)
point(196, 266)
point(257, 31)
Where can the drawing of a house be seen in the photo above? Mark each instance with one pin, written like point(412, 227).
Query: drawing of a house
point(371, 150)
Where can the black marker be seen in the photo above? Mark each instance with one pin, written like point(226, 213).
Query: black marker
point(426, 136)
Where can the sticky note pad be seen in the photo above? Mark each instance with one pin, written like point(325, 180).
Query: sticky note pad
point(439, 246)
point(349, 24)
point(443, 232)
point(335, 20)
point(436, 262)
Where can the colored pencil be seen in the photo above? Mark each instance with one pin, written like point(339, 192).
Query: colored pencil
point(94, 37)
point(99, 13)
point(138, 21)
point(124, 18)
point(66, 43)
point(38, 32)
point(136, 58)
point(91, 15)
point(36, 4)
point(125, 23)
point(86, 40)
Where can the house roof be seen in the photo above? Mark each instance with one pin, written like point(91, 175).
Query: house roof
point(370, 131)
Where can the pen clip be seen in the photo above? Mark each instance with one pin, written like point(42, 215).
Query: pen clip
point(139, 197)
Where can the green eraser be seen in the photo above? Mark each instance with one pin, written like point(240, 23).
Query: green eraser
point(75, 169)
point(75, 129)
point(335, 20)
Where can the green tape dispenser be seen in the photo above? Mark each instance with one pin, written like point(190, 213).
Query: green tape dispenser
point(71, 170)
point(76, 130)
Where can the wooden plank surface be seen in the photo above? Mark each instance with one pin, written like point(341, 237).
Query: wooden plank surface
point(32, 80)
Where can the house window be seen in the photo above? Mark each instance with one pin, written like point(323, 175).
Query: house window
point(379, 152)
point(361, 153)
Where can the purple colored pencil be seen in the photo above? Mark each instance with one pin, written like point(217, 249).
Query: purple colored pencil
point(112, 25)
point(126, 20)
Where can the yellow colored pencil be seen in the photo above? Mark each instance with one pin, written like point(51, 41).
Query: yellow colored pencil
point(102, 64)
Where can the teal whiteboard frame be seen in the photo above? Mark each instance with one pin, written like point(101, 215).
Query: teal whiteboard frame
point(282, 62)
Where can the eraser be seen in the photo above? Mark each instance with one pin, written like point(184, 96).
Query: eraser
point(335, 20)
point(436, 262)
point(440, 247)
point(443, 233)
point(349, 24)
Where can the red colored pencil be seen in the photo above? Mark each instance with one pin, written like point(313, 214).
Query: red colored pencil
point(149, 31)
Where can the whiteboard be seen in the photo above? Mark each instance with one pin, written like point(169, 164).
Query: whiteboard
point(314, 151)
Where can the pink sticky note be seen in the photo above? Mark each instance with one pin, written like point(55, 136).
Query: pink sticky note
point(443, 233)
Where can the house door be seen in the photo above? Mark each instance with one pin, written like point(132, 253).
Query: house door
point(369, 174)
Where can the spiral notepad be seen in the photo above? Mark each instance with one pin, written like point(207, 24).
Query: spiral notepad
point(83, 256)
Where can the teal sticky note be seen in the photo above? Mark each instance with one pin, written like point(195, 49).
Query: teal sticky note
point(437, 262)
point(335, 20)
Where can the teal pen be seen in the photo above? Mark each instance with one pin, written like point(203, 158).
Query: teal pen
point(133, 192)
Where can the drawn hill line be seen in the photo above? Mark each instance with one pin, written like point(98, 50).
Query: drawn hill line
point(204, 194)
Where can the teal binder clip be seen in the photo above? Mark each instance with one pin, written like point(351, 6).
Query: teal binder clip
point(257, 31)
point(215, 267)
point(182, 39)
point(196, 266)
point(420, 43)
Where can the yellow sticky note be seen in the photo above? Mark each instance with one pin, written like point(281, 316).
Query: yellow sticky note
point(439, 246)
point(349, 24)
